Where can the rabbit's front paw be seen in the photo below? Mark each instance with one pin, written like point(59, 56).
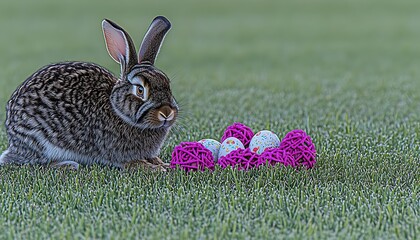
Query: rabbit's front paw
point(154, 164)
point(158, 161)
point(71, 165)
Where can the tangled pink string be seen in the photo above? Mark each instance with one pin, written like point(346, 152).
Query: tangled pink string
point(240, 131)
point(192, 156)
point(300, 146)
point(242, 159)
point(275, 156)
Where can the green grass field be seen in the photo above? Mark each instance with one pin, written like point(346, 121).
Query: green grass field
point(347, 72)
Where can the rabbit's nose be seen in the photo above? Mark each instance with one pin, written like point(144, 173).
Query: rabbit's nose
point(165, 113)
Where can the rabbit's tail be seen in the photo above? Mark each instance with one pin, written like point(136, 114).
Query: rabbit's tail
point(9, 156)
point(3, 156)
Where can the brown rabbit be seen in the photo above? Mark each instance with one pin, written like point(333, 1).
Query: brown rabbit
point(74, 113)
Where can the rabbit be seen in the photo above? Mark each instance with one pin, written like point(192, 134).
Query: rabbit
point(73, 113)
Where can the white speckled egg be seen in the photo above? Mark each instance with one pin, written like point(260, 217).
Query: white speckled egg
point(230, 144)
point(211, 145)
point(262, 140)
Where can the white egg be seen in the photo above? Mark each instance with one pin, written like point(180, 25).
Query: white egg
point(211, 145)
point(262, 140)
point(230, 144)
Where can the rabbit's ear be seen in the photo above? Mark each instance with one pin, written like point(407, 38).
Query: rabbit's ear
point(153, 39)
point(119, 44)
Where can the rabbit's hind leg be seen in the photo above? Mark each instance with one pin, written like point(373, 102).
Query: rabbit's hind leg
point(11, 156)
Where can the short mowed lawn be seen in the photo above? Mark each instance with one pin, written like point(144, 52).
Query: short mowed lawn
point(346, 72)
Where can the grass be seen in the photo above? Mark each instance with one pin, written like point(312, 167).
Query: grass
point(347, 72)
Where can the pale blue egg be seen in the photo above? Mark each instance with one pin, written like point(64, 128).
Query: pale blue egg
point(262, 140)
point(213, 146)
point(228, 145)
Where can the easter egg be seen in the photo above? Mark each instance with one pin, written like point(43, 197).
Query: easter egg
point(262, 140)
point(228, 145)
point(211, 145)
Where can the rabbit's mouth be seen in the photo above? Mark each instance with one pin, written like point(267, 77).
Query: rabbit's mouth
point(149, 122)
point(166, 124)
point(162, 125)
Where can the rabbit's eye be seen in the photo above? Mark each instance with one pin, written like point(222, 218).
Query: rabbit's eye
point(139, 91)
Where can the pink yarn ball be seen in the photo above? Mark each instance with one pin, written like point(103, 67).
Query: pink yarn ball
point(240, 131)
point(275, 156)
point(242, 159)
point(301, 147)
point(192, 156)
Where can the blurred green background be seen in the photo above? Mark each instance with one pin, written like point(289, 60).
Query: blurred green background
point(347, 72)
point(265, 43)
point(277, 64)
